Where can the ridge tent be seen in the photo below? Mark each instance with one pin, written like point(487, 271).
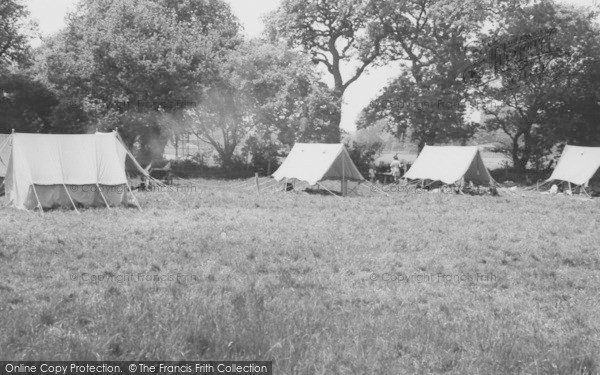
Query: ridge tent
point(577, 165)
point(315, 162)
point(450, 164)
point(49, 170)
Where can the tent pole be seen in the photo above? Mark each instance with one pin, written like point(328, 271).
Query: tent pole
point(584, 190)
point(37, 197)
point(136, 164)
point(257, 184)
point(71, 199)
point(343, 187)
point(134, 198)
point(102, 195)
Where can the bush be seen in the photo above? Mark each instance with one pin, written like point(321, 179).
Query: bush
point(363, 155)
point(526, 177)
point(263, 155)
point(190, 168)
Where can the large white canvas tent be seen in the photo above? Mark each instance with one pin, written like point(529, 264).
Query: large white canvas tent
point(577, 165)
point(315, 162)
point(450, 164)
point(49, 170)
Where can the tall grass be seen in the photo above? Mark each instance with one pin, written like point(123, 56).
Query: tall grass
point(299, 279)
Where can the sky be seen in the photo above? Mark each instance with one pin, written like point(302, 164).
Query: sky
point(50, 16)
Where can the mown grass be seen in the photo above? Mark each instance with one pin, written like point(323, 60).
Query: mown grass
point(289, 278)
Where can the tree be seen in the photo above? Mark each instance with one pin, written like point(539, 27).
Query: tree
point(219, 120)
point(573, 117)
point(433, 33)
point(537, 89)
point(267, 93)
point(128, 64)
point(432, 111)
point(334, 33)
point(431, 38)
point(26, 105)
point(363, 147)
point(263, 154)
point(14, 47)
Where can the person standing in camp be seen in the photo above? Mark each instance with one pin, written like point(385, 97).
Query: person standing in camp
point(372, 172)
point(395, 168)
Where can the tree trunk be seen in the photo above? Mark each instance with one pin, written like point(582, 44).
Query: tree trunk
point(226, 158)
point(520, 161)
point(515, 153)
point(333, 134)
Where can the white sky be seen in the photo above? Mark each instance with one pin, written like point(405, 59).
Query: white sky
point(50, 15)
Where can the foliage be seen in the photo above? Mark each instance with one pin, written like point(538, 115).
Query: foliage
point(537, 100)
point(14, 33)
point(128, 63)
point(26, 105)
point(427, 112)
point(334, 33)
point(265, 92)
point(363, 154)
point(431, 38)
point(264, 155)
point(573, 118)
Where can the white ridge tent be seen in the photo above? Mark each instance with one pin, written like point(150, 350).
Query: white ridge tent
point(577, 165)
point(49, 170)
point(315, 162)
point(450, 165)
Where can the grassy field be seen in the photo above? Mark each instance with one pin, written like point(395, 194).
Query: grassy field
point(407, 284)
